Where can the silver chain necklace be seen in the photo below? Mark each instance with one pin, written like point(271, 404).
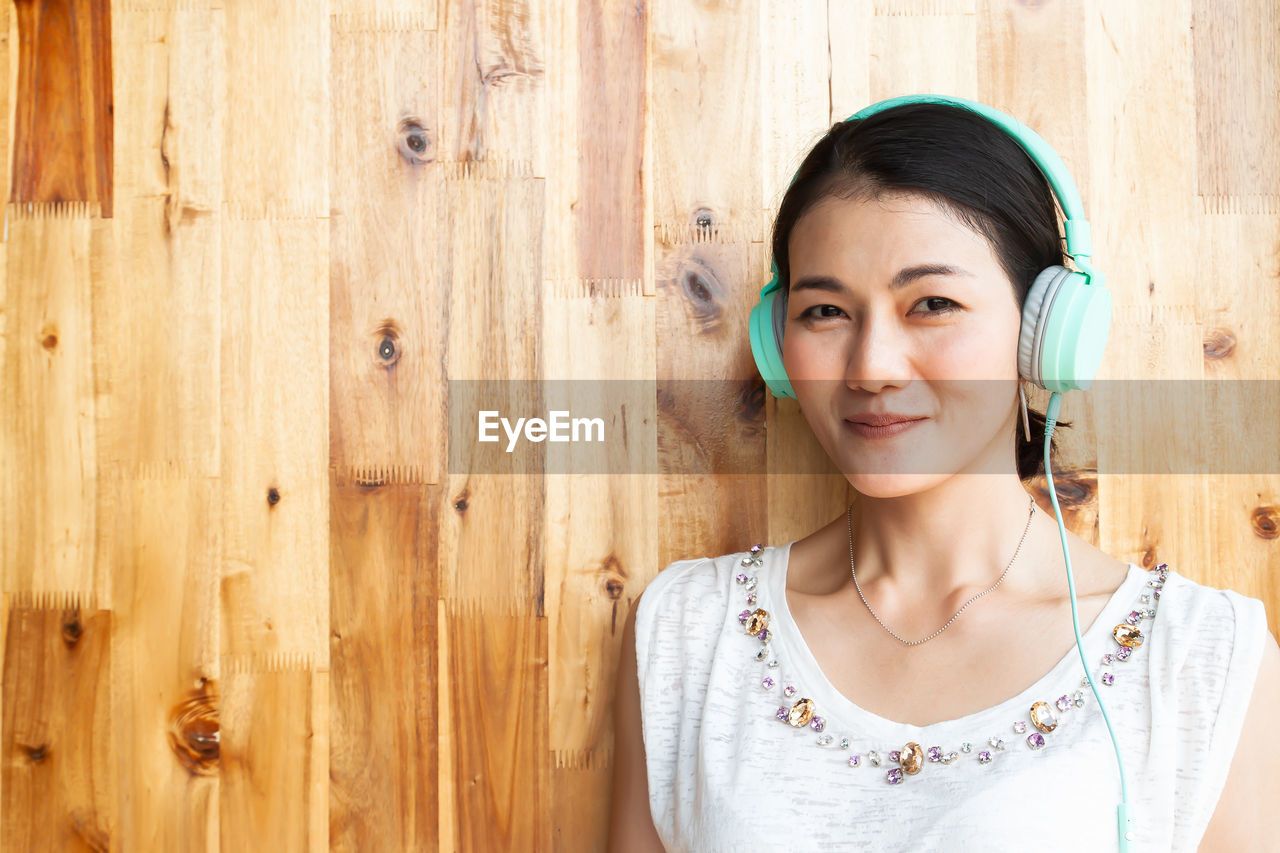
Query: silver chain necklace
point(1030, 512)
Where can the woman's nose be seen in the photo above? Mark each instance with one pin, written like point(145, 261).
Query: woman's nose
point(879, 355)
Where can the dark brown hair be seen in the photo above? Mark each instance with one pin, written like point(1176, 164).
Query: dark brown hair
point(970, 167)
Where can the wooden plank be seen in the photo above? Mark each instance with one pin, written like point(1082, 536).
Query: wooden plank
point(384, 678)
point(163, 556)
point(388, 325)
point(277, 96)
point(705, 67)
point(1236, 81)
point(59, 784)
point(274, 445)
point(497, 725)
point(492, 82)
point(62, 133)
point(47, 507)
point(274, 754)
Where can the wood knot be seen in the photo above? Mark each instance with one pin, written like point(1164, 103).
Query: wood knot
point(36, 754)
point(615, 574)
point(415, 143)
point(1266, 522)
point(273, 496)
point(461, 503)
point(388, 333)
point(194, 735)
point(72, 629)
point(50, 342)
point(1218, 343)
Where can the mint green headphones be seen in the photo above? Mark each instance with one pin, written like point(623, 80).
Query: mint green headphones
point(1065, 317)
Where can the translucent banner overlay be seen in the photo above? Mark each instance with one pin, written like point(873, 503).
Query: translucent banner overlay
point(700, 426)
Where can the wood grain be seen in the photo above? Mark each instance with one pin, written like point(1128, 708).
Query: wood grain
point(261, 588)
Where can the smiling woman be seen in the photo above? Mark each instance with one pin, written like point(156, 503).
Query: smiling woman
point(773, 701)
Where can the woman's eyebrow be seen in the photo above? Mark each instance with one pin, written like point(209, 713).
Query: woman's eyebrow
point(904, 277)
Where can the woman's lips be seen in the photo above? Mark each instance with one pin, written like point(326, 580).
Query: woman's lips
point(886, 431)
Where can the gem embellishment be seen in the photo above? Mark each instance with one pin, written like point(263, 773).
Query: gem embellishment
point(1042, 717)
point(801, 713)
point(911, 758)
point(757, 620)
point(1127, 635)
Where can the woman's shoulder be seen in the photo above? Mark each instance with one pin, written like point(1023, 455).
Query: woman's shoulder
point(699, 581)
point(1208, 648)
point(1205, 623)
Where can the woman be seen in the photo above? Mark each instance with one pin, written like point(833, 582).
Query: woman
point(915, 683)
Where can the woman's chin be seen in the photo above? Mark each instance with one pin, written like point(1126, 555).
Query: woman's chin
point(890, 484)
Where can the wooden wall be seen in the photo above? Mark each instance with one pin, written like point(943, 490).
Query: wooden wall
point(248, 603)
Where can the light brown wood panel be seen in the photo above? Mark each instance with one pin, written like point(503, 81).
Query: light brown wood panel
point(50, 448)
point(389, 315)
point(313, 610)
point(384, 677)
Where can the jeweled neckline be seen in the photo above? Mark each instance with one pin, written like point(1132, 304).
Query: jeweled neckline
point(848, 714)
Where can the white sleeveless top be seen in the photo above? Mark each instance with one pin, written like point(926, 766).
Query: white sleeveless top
point(726, 772)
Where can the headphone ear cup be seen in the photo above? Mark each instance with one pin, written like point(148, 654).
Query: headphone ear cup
point(765, 326)
point(1065, 324)
point(1035, 311)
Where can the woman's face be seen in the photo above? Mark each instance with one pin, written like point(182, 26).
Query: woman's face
point(876, 323)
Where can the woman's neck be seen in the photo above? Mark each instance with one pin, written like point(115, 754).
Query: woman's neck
point(957, 537)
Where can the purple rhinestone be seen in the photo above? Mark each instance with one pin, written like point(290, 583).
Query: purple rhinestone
point(817, 724)
point(751, 598)
point(1133, 618)
point(740, 577)
point(768, 682)
point(782, 713)
point(744, 616)
point(763, 635)
point(756, 549)
point(790, 690)
point(1020, 726)
point(935, 753)
point(1107, 659)
point(1035, 740)
point(1063, 703)
point(1108, 678)
point(1124, 653)
point(896, 755)
point(1156, 593)
point(855, 760)
point(984, 756)
point(894, 776)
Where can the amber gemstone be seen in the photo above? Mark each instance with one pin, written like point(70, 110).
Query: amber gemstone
point(801, 713)
point(912, 757)
point(757, 621)
point(1128, 635)
point(1042, 717)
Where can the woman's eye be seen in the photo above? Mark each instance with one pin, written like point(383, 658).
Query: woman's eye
point(809, 312)
point(948, 305)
